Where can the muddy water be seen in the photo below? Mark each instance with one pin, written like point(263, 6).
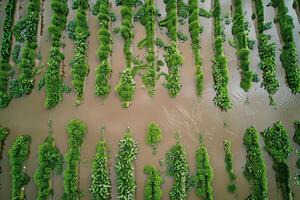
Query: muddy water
point(186, 113)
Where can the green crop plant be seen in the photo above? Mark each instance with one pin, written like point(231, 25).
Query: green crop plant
point(50, 159)
point(220, 68)
point(178, 168)
point(195, 31)
point(18, 154)
point(255, 168)
point(296, 139)
point(3, 136)
point(104, 70)
point(288, 57)
point(126, 184)
point(126, 86)
point(153, 136)
point(229, 166)
point(266, 51)
point(101, 183)
point(5, 51)
point(278, 146)
point(204, 174)
point(240, 35)
point(79, 65)
point(26, 30)
point(53, 77)
point(76, 131)
point(152, 190)
point(171, 20)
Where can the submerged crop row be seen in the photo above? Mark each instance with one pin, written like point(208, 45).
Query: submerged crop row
point(288, 57)
point(229, 166)
point(266, 51)
point(220, 68)
point(241, 40)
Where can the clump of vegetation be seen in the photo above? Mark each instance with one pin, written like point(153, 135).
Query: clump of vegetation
point(153, 136)
point(266, 51)
point(18, 154)
point(53, 77)
point(104, 70)
point(182, 9)
point(79, 66)
point(195, 31)
point(126, 86)
point(50, 159)
point(174, 61)
point(76, 131)
point(255, 169)
point(278, 146)
point(220, 69)
point(288, 57)
point(26, 30)
point(240, 34)
point(126, 184)
point(5, 50)
point(101, 184)
point(152, 190)
point(229, 166)
point(205, 13)
point(16, 53)
point(178, 168)
point(296, 139)
point(3, 136)
point(204, 174)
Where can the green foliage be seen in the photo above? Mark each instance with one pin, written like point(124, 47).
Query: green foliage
point(153, 136)
point(171, 20)
point(220, 68)
point(174, 61)
point(240, 34)
point(16, 53)
point(288, 57)
point(18, 154)
point(182, 9)
point(50, 159)
point(160, 43)
point(229, 166)
point(104, 70)
point(101, 184)
point(255, 168)
point(178, 168)
point(205, 13)
point(71, 26)
point(152, 190)
point(76, 131)
point(204, 174)
point(3, 136)
point(126, 184)
point(79, 65)
point(53, 78)
point(296, 137)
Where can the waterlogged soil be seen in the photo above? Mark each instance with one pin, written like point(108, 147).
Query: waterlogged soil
point(187, 114)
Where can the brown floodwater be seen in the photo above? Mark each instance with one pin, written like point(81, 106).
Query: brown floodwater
point(187, 114)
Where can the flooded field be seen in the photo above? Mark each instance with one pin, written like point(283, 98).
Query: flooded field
point(186, 113)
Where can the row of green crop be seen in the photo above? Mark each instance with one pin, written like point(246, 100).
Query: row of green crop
point(241, 39)
point(104, 70)
point(49, 159)
point(195, 31)
point(288, 57)
point(152, 190)
point(220, 68)
point(79, 65)
point(76, 131)
point(153, 136)
point(266, 51)
point(296, 139)
point(149, 21)
point(26, 30)
point(171, 20)
point(3, 136)
point(255, 168)
point(5, 51)
point(18, 154)
point(278, 146)
point(126, 85)
point(229, 166)
point(126, 184)
point(53, 77)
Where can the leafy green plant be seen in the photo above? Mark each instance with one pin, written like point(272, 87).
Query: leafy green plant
point(76, 131)
point(101, 184)
point(255, 168)
point(18, 154)
point(50, 159)
point(152, 190)
point(153, 136)
point(229, 166)
point(126, 184)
